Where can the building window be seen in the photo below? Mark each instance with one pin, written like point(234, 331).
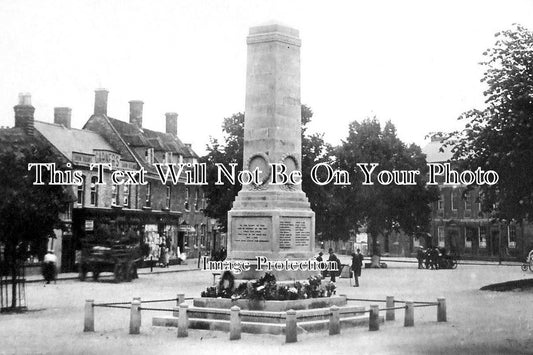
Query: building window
point(440, 236)
point(468, 205)
point(136, 196)
point(196, 200)
point(482, 237)
point(168, 197)
point(148, 201)
point(81, 191)
point(470, 234)
point(114, 195)
point(127, 196)
point(149, 156)
point(511, 236)
point(440, 202)
point(203, 201)
point(169, 159)
point(454, 200)
point(203, 234)
point(186, 205)
point(94, 191)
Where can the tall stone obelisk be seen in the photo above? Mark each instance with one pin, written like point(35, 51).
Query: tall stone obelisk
point(269, 220)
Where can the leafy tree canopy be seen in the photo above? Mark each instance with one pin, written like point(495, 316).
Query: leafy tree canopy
point(383, 208)
point(500, 136)
point(29, 213)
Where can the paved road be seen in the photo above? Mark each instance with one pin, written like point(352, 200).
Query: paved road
point(479, 322)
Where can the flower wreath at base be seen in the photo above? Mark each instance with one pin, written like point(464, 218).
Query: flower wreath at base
point(267, 288)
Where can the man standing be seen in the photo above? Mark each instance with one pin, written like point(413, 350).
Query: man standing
point(420, 257)
point(357, 264)
point(335, 263)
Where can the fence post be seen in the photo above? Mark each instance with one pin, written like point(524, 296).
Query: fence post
point(235, 323)
point(135, 317)
point(291, 332)
point(180, 298)
point(390, 314)
point(373, 317)
point(409, 320)
point(88, 322)
point(183, 321)
point(441, 309)
point(334, 321)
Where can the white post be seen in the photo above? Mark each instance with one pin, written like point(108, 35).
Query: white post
point(88, 322)
point(334, 321)
point(180, 298)
point(441, 309)
point(135, 317)
point(373, 317)
point(291, 333)
point(183, 321)
point(235, 323)
point(409, 320)
point(390, 313)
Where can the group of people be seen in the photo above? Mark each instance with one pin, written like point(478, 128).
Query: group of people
point(355, 268)
point(432, 258)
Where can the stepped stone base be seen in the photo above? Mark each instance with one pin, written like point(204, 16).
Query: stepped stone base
point(213, 314)
point(271, 306)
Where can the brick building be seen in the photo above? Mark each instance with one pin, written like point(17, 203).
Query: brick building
point(459, 225)
point(155, 214)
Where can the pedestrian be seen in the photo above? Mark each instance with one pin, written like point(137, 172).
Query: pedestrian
point(420, 257)
point(50, 266)
point(357, 265)
point(320, 259)
point(335, 265)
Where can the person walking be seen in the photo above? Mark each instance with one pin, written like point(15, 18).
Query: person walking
point(50, 266)
point(357, 264)
point(335, 263)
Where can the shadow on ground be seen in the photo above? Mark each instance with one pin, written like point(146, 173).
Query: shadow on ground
point(515, 285)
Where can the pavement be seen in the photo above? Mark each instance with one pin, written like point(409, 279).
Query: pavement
point(479, 322)
point(64, 276)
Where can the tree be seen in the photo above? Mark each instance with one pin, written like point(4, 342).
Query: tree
point(28, 213)
point(383, 208)
point(500, 136)
point(221, 197)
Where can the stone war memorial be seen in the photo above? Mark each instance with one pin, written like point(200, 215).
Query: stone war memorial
point(269, 219)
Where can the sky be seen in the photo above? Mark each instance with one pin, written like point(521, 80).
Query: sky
point(415, 63)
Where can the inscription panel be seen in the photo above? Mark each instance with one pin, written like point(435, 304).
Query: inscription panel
point(294, 232)
point(251, 233)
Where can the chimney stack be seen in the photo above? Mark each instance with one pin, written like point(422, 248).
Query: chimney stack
point(62, 116)
point(136, 113)
point(100, 101)
point(24, 114)
point(172, 123)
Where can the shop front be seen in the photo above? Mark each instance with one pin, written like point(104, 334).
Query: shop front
point(151, 230)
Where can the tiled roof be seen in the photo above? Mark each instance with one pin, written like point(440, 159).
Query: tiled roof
point(160, 141)
point(433, 152)
point(68, 140)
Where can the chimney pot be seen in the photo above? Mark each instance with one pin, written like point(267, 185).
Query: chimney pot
point(62, 116)
point(100, 101)
point(172, 123)
point(24, 114)
point(136, 113)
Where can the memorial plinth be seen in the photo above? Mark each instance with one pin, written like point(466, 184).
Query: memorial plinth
point(267, 219)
